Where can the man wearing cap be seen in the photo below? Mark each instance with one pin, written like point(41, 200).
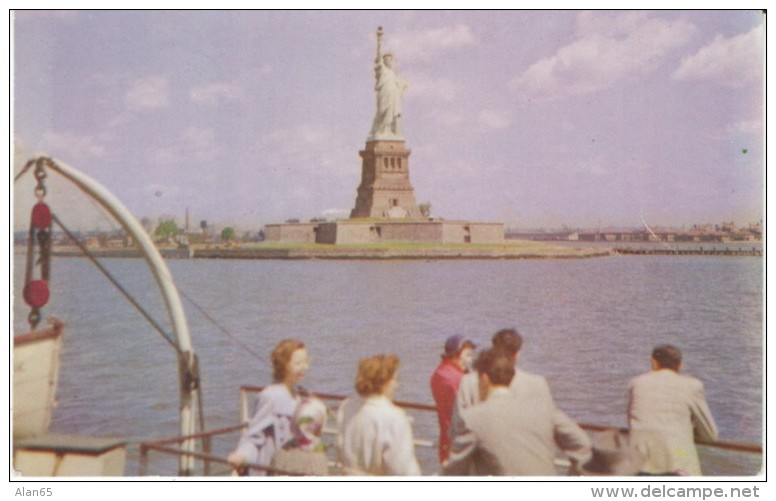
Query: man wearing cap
point(444, 385)
point(666, 411)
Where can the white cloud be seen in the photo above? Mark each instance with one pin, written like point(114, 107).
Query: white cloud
point(423, 45)
point(301, 192)
point(312, 135)
point(195, 144)
point(303, 146)
point(494, 119)
point(737, 130)
point(200, 143)
point(335, 213)
point(747, 127)
point(732, 61)
point(423, 85)
point(610, 48)
point(72, 146)
point(447, 118)
point(149, 93)
point(215, 93)
point(119, 120)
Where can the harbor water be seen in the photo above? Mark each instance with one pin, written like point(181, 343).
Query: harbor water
point(589, 326)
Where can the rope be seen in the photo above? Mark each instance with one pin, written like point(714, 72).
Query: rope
point(24, 170)
point(115, 282)
point(191, 301)
point(215, 322)
point(223, 330)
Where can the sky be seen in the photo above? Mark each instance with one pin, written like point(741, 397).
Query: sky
point(539, 119)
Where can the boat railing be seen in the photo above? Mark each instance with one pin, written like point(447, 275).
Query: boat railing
point(719, 457)
point(209, 461)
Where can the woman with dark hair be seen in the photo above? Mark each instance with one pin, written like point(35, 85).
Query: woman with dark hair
point(375, 436)
point(270, 427)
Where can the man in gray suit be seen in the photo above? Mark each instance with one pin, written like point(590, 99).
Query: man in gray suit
point(515, 429)
point(666, 411)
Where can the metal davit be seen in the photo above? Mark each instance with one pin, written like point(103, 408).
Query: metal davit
point(188, 370)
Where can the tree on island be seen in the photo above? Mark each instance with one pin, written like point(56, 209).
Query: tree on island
point(166, 229)
point(227, 234)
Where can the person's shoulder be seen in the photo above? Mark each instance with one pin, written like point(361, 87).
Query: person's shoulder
point(384, 407)
point(535, 387)
point(529, 376)
point(391, 405)
point(274, 390)
point(492, 406)
point(349, 408)
point(469, 379)
point(530, 379)
point(448, 372)
point(439, 371)
point(640, 378)
point(690, 381)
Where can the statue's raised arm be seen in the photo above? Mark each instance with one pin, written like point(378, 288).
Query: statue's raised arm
point(379, 33)
point(389, 88)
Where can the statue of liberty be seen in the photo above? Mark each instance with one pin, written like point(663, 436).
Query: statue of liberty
point(389, 88)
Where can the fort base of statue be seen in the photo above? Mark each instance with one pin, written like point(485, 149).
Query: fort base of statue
point(385, 190)
point(382, 231)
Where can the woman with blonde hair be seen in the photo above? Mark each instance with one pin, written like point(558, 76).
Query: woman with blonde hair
point(270, 427)
point(375, 436)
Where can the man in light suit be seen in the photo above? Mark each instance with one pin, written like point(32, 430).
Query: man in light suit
point(666, 411)
point(512, 432)
point(528, 387)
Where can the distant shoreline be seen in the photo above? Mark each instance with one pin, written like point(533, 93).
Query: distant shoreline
point(409, 253)
point(404, 251)
point(399, 251)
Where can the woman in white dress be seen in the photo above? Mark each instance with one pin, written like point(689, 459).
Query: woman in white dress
point(270, 427)
point(375, 436)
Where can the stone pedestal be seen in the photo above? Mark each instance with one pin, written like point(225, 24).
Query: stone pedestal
point(385, 191)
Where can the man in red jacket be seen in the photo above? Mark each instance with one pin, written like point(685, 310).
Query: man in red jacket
point(456, 359)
